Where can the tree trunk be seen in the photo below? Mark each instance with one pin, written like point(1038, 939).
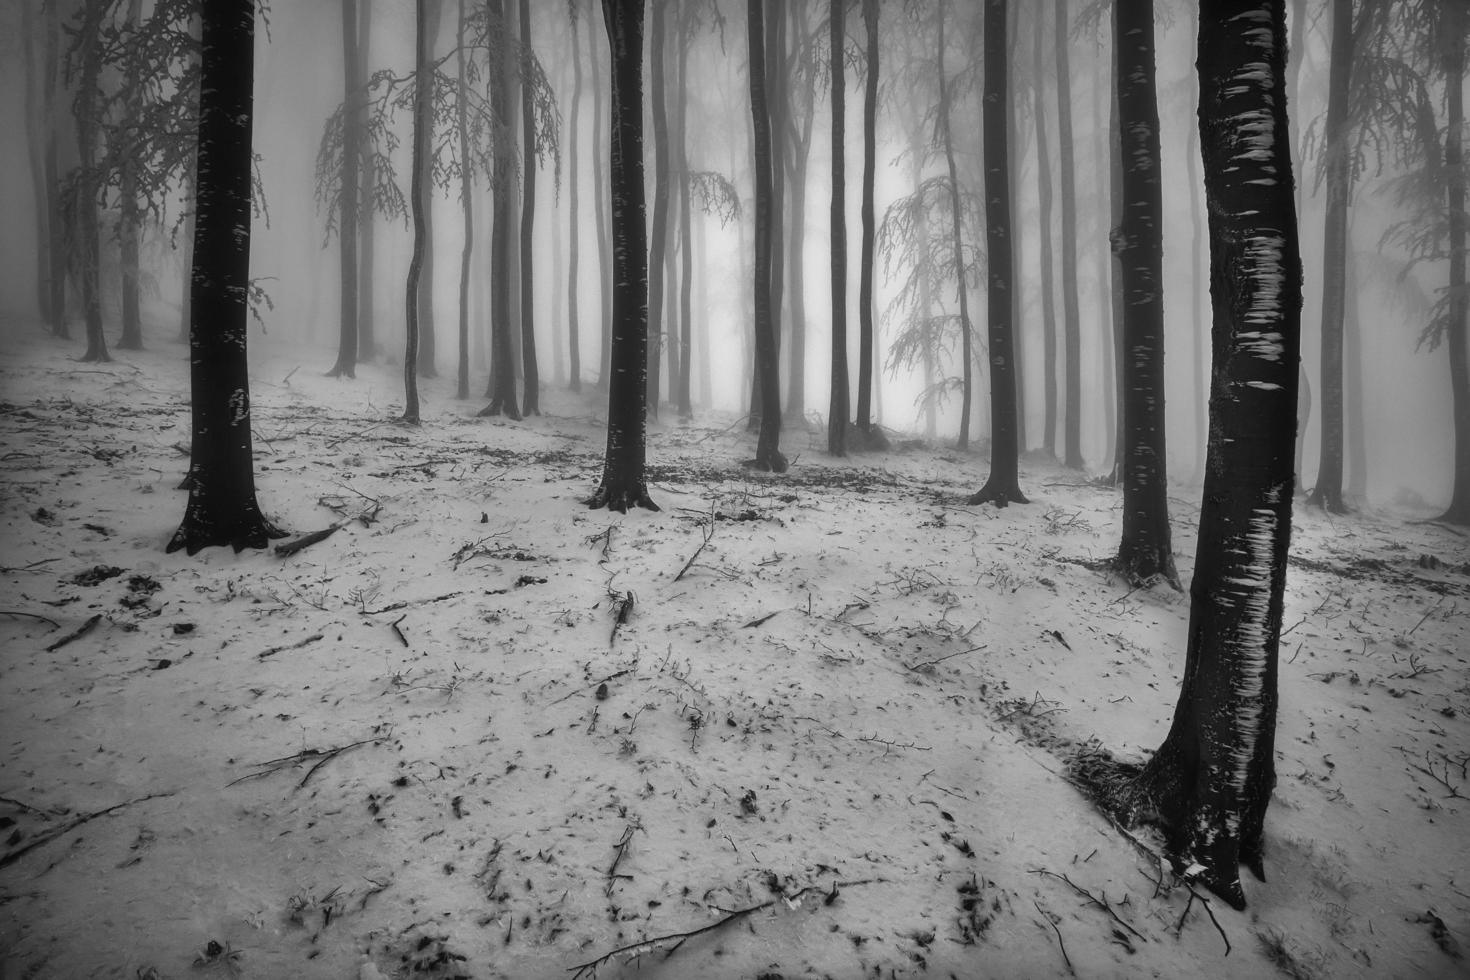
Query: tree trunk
point(623, 483)
point(865, 272)
point(777, 74)
point(1071, 318)
point(222, 508)
point(1016, 147)
point(574, 338)
point(129, 222)
point(347, 212)
point(1337, 163)
point(1198, 293)
point(531, 375)
point(1103, 86)
point(1211, 780)
point(1457, 335)
point(419, 205)
point(658, 231)
point(467, 202)
point(1003, 486)
point(427, 334)
point(961, 279)
point(36, 156)
point(85, 203)
point(1355, 489)
point(56, 215)
point(1145, 550)
point(686, 245)
point(837, 413)
point(502, 382)
point(600, 204)
point(1115, 188)
point(768, 454)
point(367, 180)
point(1044, 204)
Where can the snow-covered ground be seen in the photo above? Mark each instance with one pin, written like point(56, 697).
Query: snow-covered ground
point(427, 745)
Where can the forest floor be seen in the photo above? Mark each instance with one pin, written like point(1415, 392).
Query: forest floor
point(482, 731)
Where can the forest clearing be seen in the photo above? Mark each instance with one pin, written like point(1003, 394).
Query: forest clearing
point(483, 731)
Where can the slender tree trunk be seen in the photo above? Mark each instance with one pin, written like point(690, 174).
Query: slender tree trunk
point(1198, 292)
point(865, 273)
point(1115, 188)
point(427, 367)
point(686, 244)
point(1016, 145)
point(1211, 780)
point(222, 507)
point(800, 154)
point(1145, 550)
point(347, 212)
point(367, 180)
point(56, 216)
point(837, 413)
point(502, 382)
point(961, 278)
point(574, 325)
point(530, 397)
point(768, 454)
point(600, 203)
point(1044, 204)
point(1457, 334)
point(467, 202)
point(777, 74)
point(1327, 493)
point(129, 222)
point(35, 156)
point(419, 204)
point(86, 111)
point(1071, 318)
point(658, 232)
point(623, 483)
point(1003, 487)
point(1356, 489)
point(706, 386)
point(1103, 86)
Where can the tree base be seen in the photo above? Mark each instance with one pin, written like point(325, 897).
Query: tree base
point(340, 370)
point(1142, 566)
point(1328, 501)
point(769, 462)
point(499, 407)
point(1000, 495)
point(622, 499)
point(196, 533)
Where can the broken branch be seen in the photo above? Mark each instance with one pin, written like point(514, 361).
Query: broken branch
point(305, 541)
point(76, 634)
point(69, 826)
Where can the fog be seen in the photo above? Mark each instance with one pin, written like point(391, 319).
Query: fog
point(1406, 399)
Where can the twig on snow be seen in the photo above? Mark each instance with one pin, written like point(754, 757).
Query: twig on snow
point(44, 619)
point(594, 685)
point(290, 646)
point(395, 606)
point(1049, 921)
point(1101, 903)
point(761, 621)
point(622, 849)
point(930, 663)
point(1208, 911)
point(69, 826)
point(76, 634)
point(708, 533)
point(323, 756)
point(305, 541)
point(401, 638)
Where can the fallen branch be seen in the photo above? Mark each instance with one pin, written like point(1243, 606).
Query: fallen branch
point(589, 968)
point(594, 685)
point(395, 606)
point(1101, 903)
point(940, 660)
point(1054, 929)
point(305, 541)
point(1208, 911)
point(323, 756)
point(622, 849)
point(290, 646)
point(892, 744)
point(31, 567)
point(76, 634)
point(401, 638)
point(44, 619)
point(708, 532)
point(69, 826)
point(760, 622)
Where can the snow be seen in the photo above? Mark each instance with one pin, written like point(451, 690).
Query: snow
point(858, 679)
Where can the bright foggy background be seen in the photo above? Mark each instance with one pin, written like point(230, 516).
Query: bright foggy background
point(298, 84)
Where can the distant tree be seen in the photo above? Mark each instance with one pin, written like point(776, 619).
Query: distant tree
point(600, 182)
point(624, 483)
point(945, 133)
point(419, 204)
point(427, 352)
point(865, 273)
point(1003, 487)
point(86, 187)
point(768, 454)
point(1145, 550)
point(222, 508)
point(574, 326)
point(367, 184)
point(41, 50)
point(1071, 318)
point(467, 202)
point(502, 383)
point(1210, 782)
point(1044, 204)
point(531, 378)
point(129, 214)
point(659, 227)
point(347, 218)
point(838, 411)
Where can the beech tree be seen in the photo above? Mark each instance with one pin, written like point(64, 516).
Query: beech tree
point(1210, 782)
point(768, 454)
point(624, 483)
point(864, 419)
point(837, 412)
point(349, 189)
point(419, 206)
point(222, 508)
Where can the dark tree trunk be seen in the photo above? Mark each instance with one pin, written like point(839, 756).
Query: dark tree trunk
point(467, 202)
point(530, 374)
point(347, 211)
point(129, 223)
point(1003, 487)
point(686, 244)
point(1016, 146)
point(502, 382)
point(1211, 780)
point(574, 338)
point(837, 413)
point(1044, 204)
point(1145, 550)
point(767, 454)
point(1103, 86)
point(86, 110)
point(1355, 489)
point(1071, 318)
point(427, 351)
point(1456, 331)
point(1337, 163)
point(623, 483)
point(419, 205)
point(600, 203)
point(658, 231)
point(865, 273)
point(1115, 189)
point(797, 159)
point(56, 217)
point(36, 157)
point(1198, 293)
point(962, 283)
point(367, 179)
point(222, 508)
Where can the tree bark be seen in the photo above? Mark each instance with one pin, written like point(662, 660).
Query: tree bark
point(427, 351)
point(222, 507)
point(1211, 780)
point(1044, 205)
point(768, 454)
point(1003, 486)
point(1457, 332)
point(467, 202)
point(347, 209)
point(530, 372)
point(658, 232)
point(962, 284)
point(574, 326)
point(623, 483)
point(1145, 550)
point(502, 382)
point(1071, 318)
point(419, 205)
point(865, 272)
point(367, 180)
point(86, 111)
point(837, 414)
